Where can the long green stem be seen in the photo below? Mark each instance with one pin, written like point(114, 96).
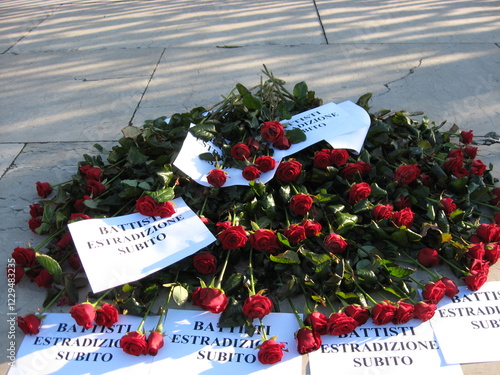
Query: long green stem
point(53, 300)
point(250, 268)
point(296, 313)
point(221, 275)
point(102, 296)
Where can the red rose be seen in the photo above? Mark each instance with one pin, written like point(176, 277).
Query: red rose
point(240, 151)
point(95, 188)
point(476, 251)
point(29, 324)
point(451, 287)
point(265, 163)
point(18, 273)
point(210, 299)
point(352, 169)
point(339, 157)
point(265, 239)
point(36, 210)
point(300, 204)
point(134, 343)
point(456, 167)
point(106, 315)
point(155, 342)
point(478, 168)
point(43, 189)
point(233, 237)
point(205, 263)
point(359, 313)
point(94, 174)
point(322, 158)
point(496, 217)
point(475, 279)
point(76, 216)
point(340, 324)
point(383, 313)
point(295, 233)
point(495, 193)
point(406, 174)
point(404, 313)
point(270, 352)
point(43, 279)
point(428, 257)
point(434, 292)
point(288, 170)
point(74, 261)
point(317, 321)
point(257, 306)
point(25, 257)
point(282, 144)
point(222, 225)
point(424, 311)
point(164, 209)
point(358, 192)
point(308, 340)
point(252, 144)
point(492, 253)
point(426, 179)
point(272, 131)
point(404, 217)
point(402, 202)
point(250, 173)
point(479, 265)
point(489, 232)
point(471, 152)
point(64, 241)
point(311, 227)
point(382, 211)
point(34, 223)
point(448, 205)
point(217, 177)
point(84, 314)
point(466, 136)
point(334, 243)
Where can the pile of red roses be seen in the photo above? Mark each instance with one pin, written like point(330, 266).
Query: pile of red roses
point(334, 226)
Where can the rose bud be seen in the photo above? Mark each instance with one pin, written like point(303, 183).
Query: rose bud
point(308, 340)
point(266, 240)
point(250, 173)
point(95, 188)
point(43, 189)
point(466, 136)
point(265, 163)
point(322, 158)
point(24, 257)
point(164, 209)
point(492, 253)
point(288, 170)
point(233, 237)
point(451, 287)
point(43, 279)
point(77, 216)
point(29, 324)
point(434, 292)
point(18, 273)
point(300, 204)
point(36, 210)
point(358, 192)
point(404, 217)
point(282, 144)
point(448, 205)
point(240, 151)
point(382, 211)
point(210, 299)
point(270, 352)
point(84, 314)
point(476, 251)
point(75, 262)
point(476, 278)
point(257, 306)
point(217, 177)
point(339, 157)
point(406, 174)
point(34, 223)
point(106, 315)
point(471, 152)
point(340, 324)
point(205, 263)
point(145, 205)
point(359, 313)
point(334, 243)
point(317, 321)
point(478, 168)
point(155, 342)
point(428, 257)
point(134, 343)
point(352, 169)
point(404, 313)
point(383, 313)
point(424, 311)
point(311, 227)
point(272, 131)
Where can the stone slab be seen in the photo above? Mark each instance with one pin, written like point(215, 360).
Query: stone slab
point(8, 153)
point(418, 21)
point(133, 24)
point(72, 96)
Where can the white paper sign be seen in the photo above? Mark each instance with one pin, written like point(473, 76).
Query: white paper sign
point(195, 345)
point(343, 125)
point(62, 347)
point(409, 349)
point(468, 326)
point(118, 250)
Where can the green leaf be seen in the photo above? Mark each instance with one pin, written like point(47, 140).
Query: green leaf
point(135, 157)
point(296, 135)
point(233, 282)
point(163, 195)
point(252, 102)
point(207, 156)
point(300, 91)
point(232, 316)
point(180, 295)
point(363, 101)
point(367, 276)
point(287, 257)
point(50, 264)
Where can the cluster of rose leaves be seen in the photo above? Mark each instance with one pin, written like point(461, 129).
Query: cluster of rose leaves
point(331, 224)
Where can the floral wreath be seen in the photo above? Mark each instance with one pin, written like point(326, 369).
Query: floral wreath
point(336, 227)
